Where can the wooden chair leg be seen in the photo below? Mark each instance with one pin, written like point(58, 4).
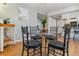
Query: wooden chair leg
point(67, 52)
point(27, 52)
point(63, 53)
point(34, 51)
point(53, 51)
point(40, 50)
point(48, 51)
point(74, 37)
point(22, 51)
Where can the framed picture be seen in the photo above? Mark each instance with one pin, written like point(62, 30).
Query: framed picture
point(73, 24)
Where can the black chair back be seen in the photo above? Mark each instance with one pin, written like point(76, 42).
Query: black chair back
point(66, 36)
point(25, 35)
point(33, 30)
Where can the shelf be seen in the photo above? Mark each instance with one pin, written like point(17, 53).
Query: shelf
point(7, 25)
point(7, 41)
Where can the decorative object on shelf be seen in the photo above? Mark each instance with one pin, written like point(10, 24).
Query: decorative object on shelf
point(6, 21)
point(43, 22)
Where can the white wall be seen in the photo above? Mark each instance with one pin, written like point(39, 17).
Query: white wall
point(33, 17)
point(31, 20)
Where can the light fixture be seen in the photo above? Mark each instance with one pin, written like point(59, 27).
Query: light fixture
point(4, 3)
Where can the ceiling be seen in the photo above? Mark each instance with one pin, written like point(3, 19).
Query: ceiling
point(49, 7)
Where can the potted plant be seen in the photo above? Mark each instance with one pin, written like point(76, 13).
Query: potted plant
point(6, 21)
point(44, 21)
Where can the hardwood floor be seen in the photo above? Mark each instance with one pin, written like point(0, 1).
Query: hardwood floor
point(15, 50)
point(12, 50)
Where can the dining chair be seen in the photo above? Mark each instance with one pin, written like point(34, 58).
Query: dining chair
point(58, 45)
point(30, 43)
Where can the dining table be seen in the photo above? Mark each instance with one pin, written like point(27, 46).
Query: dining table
point(43, 35)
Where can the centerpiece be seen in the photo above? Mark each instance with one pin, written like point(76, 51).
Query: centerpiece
point(43, 22)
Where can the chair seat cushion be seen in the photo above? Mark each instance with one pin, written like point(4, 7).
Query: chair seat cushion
point(56, 44)
point(35, 37)
point(50, 37)
point(33, 44)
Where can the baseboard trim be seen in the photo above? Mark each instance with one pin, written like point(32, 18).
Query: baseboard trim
point(18, 41)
